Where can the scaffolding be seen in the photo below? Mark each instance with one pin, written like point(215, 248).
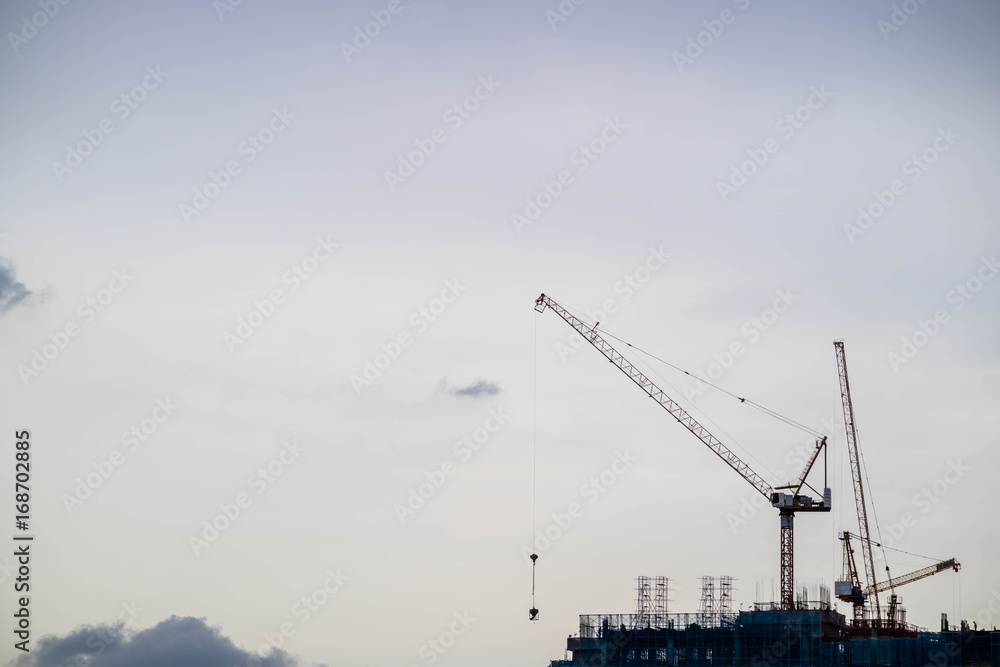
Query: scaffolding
point(716, 595)
point(707, 605)
point(725, 594)
point(652, 601)
point(813, 637)
point(813, 634)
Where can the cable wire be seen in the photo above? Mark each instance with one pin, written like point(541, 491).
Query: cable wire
point(908, 553)
point(871, 501)
point(742, 399)
point(533, 612)
point(534, 442)
point(677, 392)
point(585, 318)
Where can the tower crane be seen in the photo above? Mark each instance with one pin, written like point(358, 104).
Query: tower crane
point(855, 597)
point(786, 499)
point(892, 584)
point(851, 589)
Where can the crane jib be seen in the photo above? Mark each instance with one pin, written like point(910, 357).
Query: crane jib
point(657, 394)
point(859, 490)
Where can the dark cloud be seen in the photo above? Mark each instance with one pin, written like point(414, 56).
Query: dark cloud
point(480, 388)
point(12, 292)
point(175, 642)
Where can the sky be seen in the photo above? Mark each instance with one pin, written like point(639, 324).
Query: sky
point(266, 307)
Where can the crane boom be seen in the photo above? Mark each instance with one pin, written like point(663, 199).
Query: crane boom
point(950, 564)
point(859, 490)
point(654, 392)
point(805, 471)
point(787, 504)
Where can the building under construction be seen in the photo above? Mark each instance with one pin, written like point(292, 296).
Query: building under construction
point(812, 634)
point(795, 630)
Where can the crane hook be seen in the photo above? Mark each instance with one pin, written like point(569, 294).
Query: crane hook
point(533, 612)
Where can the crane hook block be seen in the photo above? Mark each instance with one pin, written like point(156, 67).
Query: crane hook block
point(533, 612)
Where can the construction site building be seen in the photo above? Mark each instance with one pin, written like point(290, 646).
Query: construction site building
point(813, 635)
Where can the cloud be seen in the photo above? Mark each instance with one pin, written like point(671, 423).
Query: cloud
point(479, 388)
point(12, 292)
point(175, 642)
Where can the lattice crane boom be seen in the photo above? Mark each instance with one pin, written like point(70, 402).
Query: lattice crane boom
point(859, 491)
point(654, 392)
point(917, 575)
point(797, 486)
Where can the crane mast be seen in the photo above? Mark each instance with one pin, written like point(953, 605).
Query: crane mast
point(787, 504)
point(850, 590)
point(859, 491)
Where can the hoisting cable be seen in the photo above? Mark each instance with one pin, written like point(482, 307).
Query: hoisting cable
point(771, 413)
point(882, 546)
point(692, 408)
point(871, 501)
point(753, 404)
point(533, 612)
